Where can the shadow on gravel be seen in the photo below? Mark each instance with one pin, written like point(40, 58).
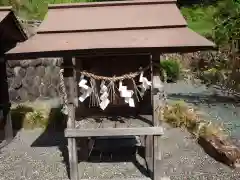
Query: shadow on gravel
point(54, 134)
point(196, 98)
point(116, 150)
point(101, 151)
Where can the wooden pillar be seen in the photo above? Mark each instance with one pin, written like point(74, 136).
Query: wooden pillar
point(8, 126)
point(148, 141)
point(5, 102)
point(71, 92)
point(82, 143)
point(157, 105)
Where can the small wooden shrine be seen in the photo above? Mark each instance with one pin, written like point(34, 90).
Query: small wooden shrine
point(110, 72)
point(11, 33)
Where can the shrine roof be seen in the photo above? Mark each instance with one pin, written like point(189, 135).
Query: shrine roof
point(109, 27)
point(11, 31)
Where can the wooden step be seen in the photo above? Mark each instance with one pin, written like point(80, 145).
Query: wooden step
point(113, 132)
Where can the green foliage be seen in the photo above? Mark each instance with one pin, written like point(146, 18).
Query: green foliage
point(219, 22)
point(35, 119)
point(172, 68)
point(200, 19)
point(36, 9)
point(28, 118)
point(227, 20)
point(222, 68)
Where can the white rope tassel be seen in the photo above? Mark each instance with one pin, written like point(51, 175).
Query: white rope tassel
point(94, 96)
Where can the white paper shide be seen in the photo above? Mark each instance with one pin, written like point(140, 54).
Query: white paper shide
point(104, 101)
point(84, 89)
point(126, 94)
point(145, 84)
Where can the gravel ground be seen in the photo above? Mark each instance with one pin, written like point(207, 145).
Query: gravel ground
point(34, 155)
point(182, 159)
point(217, 106)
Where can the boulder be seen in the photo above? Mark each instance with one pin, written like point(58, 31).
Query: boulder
point(13, 63)
point(17, 82)
point(222, 150)
point(40, 71)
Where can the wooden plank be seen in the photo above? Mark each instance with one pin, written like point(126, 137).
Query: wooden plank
point(121, 122)
point(106, 123)
point(145, 120)
point(71, 132)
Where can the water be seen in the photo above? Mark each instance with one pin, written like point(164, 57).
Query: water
point(218, 108)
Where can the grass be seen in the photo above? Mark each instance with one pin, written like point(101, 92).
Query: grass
point(35, 115)
point(28, 118)
point(200, 19)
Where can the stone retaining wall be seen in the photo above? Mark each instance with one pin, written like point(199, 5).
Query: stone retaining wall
point(29, 80)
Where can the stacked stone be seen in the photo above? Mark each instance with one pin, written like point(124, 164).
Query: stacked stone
point(29, 80)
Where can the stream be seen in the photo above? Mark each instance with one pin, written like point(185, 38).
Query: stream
point(216, 106)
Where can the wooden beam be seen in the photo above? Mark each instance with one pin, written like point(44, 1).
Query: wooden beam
point(71, 132)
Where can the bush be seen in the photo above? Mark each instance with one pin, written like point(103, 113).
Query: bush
point(28, 117)
point(179, 114)
point(172, 69)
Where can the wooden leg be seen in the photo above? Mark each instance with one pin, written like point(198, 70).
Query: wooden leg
point(156, 158)
point(8, 128)
point(73, 160)
point(149, 153)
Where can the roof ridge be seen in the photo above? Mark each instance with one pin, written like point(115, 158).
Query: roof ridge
point(6, 8)
point(109, 3)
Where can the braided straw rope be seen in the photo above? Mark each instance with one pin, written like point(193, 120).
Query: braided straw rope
point(96, 77)
point(130, 75)
point(64, 93)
